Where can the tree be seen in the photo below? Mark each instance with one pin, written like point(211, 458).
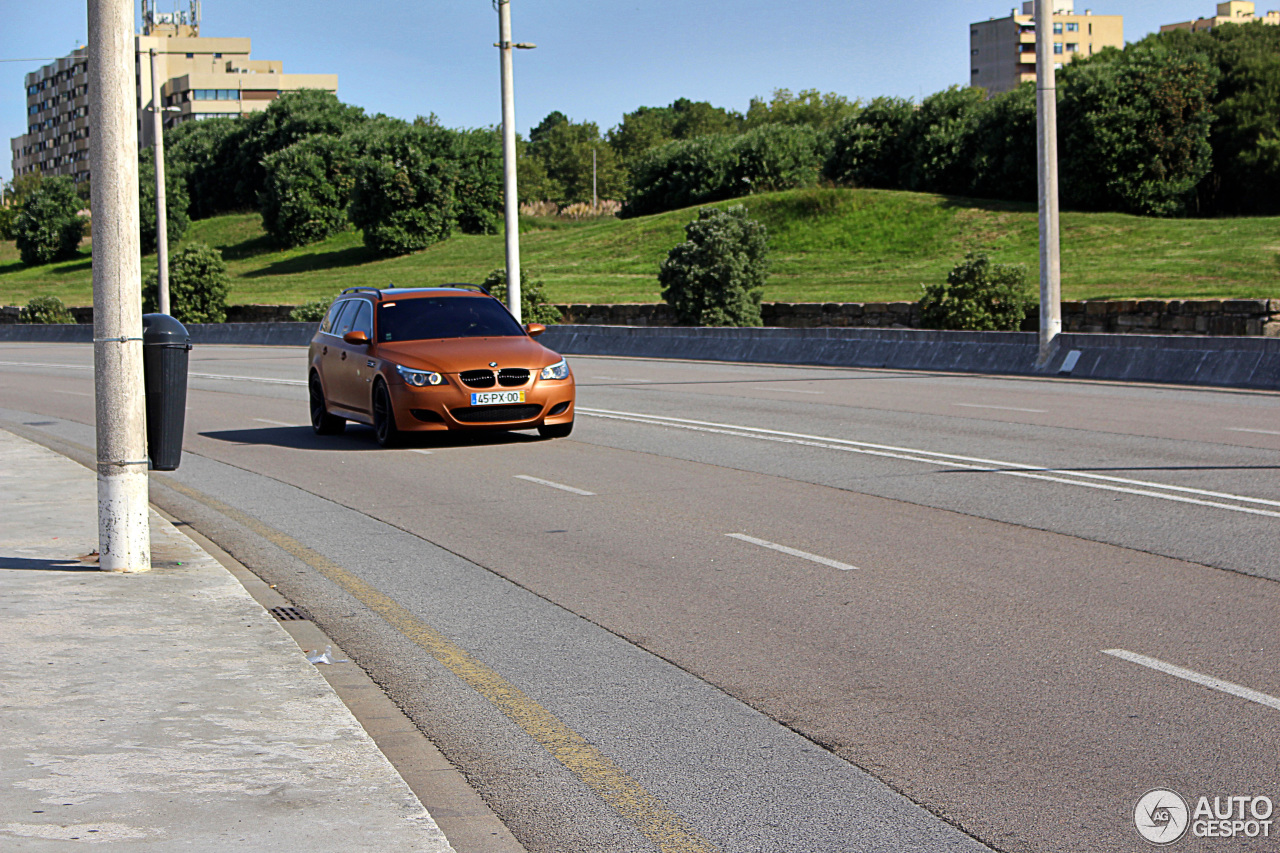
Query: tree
point(641, 130)
point(1002, 147)
point(1135, 130)
point(176, 203)
point(290, 118)
point(866, 149)
point(477, 155)
point(197, 286)
point(935, 139)
point(533, 298)
point(809, 108)
point(49, 227)
point(403, 193)
point(565, 149)
point(978, 296)
point(203, 154)
point(717, 276)
point(308, 186)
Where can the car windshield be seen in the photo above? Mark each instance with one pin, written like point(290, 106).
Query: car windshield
point(429, 317)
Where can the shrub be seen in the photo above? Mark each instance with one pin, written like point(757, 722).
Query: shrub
point(533, 298)
point(865, 149)
point(45, 310)
point(175, 203)
point(197, 286)
point(307, 189)
point(978, 296)
point(48, 228)
point(717, 276)
point(936, 141)
point(403, 194)
point(778, 157)
point(682, 174)
point(310, 312)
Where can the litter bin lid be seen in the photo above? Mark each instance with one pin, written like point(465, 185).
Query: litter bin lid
point(161, 329)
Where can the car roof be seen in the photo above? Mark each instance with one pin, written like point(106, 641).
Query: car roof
point(381, 293)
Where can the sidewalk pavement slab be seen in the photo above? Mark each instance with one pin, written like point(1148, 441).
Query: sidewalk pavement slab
point(165, 710)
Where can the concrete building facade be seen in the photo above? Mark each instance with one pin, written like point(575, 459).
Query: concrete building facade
point(1233, 12)
point(200, 78)
point(1002, 51)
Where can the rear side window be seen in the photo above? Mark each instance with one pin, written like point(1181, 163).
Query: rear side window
point(332, 316)
point(432, 317)
point(342, 324)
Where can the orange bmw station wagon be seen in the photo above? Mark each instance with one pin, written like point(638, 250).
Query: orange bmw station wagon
point(427, 359)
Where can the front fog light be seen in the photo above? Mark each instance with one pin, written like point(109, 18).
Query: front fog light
point(559, 370)
point(419, 378)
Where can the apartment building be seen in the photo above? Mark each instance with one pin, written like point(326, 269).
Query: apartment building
point(200, 78)
point(1002, 51)
point(1233, 12)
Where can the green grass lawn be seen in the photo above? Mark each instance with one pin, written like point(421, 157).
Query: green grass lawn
point(828, 245)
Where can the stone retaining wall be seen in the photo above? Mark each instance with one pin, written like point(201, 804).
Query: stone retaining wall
point(1234, 317)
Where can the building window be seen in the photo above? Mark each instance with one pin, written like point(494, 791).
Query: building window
point(975, 72)
point(1073, 28)
point(191, 56)
point(215, 94)
point(1057, 48)
point(973, 52)
point(217, 56)
point(1057, 29)
point(1072, 47)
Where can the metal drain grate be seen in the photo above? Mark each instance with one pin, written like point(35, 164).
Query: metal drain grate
point(290, 614)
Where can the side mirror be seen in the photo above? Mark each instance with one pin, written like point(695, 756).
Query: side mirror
point(357, 338)
point(534, 329)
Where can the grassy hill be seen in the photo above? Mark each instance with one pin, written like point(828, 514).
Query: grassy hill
point(828, 245)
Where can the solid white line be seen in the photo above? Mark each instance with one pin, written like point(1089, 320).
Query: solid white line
point(263, 380)
point(804, 555)
point(276, 423)
point(992, 466)
point(76, 393)
point(560, 486)
point(1258, 431)
point(419, 450)
point(1002, 408)
point(1198, 678)
point(41, 364)
point(796, 391)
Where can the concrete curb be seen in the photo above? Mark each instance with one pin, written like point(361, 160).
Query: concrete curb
point(1236, 362)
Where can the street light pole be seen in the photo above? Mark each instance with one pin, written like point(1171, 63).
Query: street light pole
point(124, 536)
point(511, 206)
point(1047, 162)
point(162, 223)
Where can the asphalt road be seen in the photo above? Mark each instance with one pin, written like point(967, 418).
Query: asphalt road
point(754, 608)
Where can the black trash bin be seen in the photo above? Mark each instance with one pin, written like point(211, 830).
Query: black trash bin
point(165, 345)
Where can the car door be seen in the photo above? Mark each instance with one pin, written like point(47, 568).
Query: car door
point(352, 389)
point(332, 361)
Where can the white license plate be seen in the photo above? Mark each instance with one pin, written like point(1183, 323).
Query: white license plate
point(496, 398)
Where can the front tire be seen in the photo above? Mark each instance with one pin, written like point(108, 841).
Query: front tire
point(555, 430)
point(384, 417)
point(322, 422)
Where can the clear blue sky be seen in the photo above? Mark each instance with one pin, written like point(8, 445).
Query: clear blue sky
point(595, 60)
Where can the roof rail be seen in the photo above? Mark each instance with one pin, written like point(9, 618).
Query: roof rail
point(463, 286)
point(347, 290)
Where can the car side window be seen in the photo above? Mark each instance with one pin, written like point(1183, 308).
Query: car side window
point(329, 318)
point(343, 324)
point(364, 320)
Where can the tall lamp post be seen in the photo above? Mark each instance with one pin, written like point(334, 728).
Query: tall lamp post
point(162, 223)
point(1047, 161)
point(511, 205)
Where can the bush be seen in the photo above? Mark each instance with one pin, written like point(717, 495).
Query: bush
point(311, 312)
point(45, 310)
point(865, 148)
point(175, 203)
point(197, 286)
point(403, 194)
point(936, 139)
point(979, 296)
point(533, 298)
point(49, 228)
point(717, 276)
point(307, 189)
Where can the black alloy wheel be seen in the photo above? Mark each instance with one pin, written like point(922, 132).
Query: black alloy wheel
point(384, 418)
point(555, 430)
point(321, 421)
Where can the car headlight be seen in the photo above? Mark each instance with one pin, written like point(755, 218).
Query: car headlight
point(419, 378)
point(559, 370)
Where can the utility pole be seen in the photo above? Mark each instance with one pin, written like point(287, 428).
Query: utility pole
point(511, 209)
point(1047, 161)
point(162, 223)
point(124, 534)
point(595, 202)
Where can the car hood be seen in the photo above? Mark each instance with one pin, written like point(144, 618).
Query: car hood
point(454, 355)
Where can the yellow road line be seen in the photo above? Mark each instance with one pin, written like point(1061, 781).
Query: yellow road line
point(627, 797)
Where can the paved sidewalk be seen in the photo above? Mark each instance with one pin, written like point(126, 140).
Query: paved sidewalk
point(165, 711)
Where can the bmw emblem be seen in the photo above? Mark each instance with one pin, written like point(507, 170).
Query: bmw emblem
point(493, 364)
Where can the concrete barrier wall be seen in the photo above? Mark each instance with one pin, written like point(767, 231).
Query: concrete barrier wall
point(1219, 361)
